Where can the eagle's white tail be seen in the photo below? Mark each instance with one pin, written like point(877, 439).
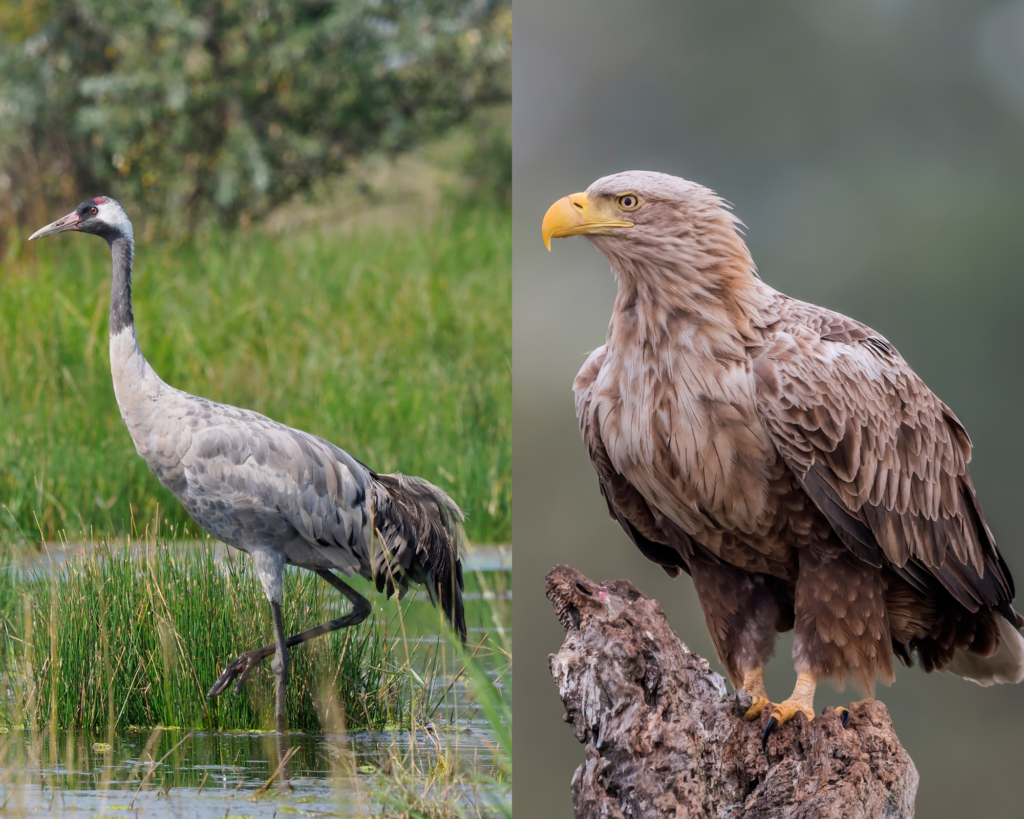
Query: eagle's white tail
point(1005, 666)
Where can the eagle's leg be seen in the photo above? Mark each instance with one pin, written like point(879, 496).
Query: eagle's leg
point(753, 684)
point(842, 626)
point(744, 611)
point(802, 699)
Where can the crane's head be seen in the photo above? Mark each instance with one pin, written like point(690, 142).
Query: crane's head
point(101, 215)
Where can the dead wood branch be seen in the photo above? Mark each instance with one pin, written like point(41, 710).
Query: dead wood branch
point(664, 737)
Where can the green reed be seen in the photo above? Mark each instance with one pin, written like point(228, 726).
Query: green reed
point(135, 636)
point(444, 784)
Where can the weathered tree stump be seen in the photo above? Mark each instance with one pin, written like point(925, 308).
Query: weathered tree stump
point(664, 737)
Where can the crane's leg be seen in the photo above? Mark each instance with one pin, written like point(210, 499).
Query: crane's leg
point(279, 665)
point(243, 666)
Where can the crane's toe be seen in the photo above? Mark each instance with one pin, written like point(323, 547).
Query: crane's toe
point(241, 667)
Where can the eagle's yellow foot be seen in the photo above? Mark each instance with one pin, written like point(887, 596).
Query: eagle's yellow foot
point(842, 712)
point(802, 699)
point(754, 711)
point(753, 684)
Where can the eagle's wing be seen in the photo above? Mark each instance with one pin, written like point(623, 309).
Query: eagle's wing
point(881, 456)
point(655, 536)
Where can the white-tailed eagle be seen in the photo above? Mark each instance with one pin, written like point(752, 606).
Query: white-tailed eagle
point(783, 455)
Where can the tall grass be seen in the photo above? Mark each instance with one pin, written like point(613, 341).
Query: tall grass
point(132, 637)
point(128, 637)
point(414, 785)
point(392, 344)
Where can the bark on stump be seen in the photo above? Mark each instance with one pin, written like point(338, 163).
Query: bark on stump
point(664, 737)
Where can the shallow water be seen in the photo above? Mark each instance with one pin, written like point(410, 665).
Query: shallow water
point(474, 559)
point(206, 775)
point(151, 772)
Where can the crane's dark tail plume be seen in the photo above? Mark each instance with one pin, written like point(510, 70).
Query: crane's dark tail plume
point(422, 532)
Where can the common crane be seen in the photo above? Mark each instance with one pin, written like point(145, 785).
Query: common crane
point(280, 494)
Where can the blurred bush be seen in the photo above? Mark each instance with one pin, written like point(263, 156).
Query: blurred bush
point(193, 110)
point(487, 163)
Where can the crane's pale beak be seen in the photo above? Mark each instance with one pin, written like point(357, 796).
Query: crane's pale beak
point(576, 215)
point(69, 222)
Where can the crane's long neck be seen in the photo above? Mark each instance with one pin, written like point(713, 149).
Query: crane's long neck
point(122, 250)
point(136, 386)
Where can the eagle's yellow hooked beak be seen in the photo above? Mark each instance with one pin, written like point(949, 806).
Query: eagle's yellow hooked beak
point(578, 214)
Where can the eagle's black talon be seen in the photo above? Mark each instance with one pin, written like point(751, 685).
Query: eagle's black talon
point(841, 712)
point(768, 728)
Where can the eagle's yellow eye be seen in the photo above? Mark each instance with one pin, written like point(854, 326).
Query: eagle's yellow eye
point(628, 201)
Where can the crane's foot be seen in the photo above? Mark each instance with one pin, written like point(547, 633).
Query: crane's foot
point(241, 667)
point(842, 712)
point(753, 684)
point(802, 699)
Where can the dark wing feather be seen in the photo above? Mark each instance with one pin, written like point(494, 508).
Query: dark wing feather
point(664, 544)
point(881, 456)
point(422, 532)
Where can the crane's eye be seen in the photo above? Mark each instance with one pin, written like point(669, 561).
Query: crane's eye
point(628, 201)
point(94, 211)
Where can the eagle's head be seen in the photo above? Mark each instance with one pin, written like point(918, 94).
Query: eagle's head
point(652, 220)
point(673, 246)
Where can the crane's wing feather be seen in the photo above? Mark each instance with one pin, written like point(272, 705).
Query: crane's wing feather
point(246, 474)
point(246, 469)
point(881, 456)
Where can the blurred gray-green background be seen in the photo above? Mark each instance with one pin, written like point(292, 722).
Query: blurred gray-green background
point(874, 149)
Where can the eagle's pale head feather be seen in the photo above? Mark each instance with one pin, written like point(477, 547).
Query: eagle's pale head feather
point(672, 244)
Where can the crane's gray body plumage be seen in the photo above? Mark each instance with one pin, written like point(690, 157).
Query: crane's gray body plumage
point(278, 493)
point(251, 482)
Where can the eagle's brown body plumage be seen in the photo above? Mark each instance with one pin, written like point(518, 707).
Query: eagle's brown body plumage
point(785, 456)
